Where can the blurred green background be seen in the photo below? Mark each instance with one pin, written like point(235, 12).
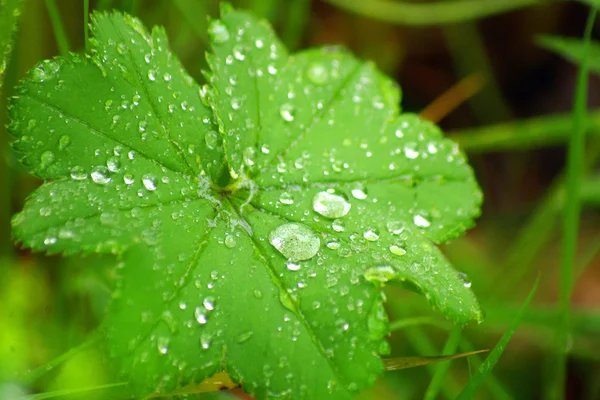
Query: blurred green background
point(514, 125)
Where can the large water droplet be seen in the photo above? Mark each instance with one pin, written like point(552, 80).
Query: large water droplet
point(397, 250)
point(395, 227)
point(421, 221)
point(78, 173)
point(230, 241)
point(148, 182)
point(286, 198)
point(200, 316)
point(371, 234)
point(331, 205)
point(218, 32)
point(100, 176)
point(46, 158)
point(295, 241)
point(359, 193)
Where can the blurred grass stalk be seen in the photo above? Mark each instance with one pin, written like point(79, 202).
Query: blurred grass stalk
point(436, 13)
point(571, 215)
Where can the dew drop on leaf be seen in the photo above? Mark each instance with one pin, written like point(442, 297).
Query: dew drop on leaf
point(286, 198)
point(287, 112)
point(209, 303)
point(338, 225)
point(359, 193)
point(317, 73)
point(128, 179)
point(205, 339)
point(397, 250)
point(371, 235)
point(465, 279)
point(243, 337)
point(63, 142)
point(293, 266)
point(212, 140)
point(148, 182)
point(421, 221)
point(395, 227)
point(295, 241)
point(78, 173)
point(46, 159)
point(229, 241)
point(249, 156)
point(218, 32)
point(100, 176)
point(162, 343)
point(331, 205)
point(200, 316)
point(381, 273)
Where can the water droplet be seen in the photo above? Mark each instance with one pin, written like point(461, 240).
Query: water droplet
point(287, 112)
point(244, 336)
point(162, 343)
point(142, 125)
point(381, 273)
point(317, 73)
point(410, 151)
point(63, 142)
point(211, 139)
point(295, 241)
point(209, 303)
point(358, 243)
point(249, 156)
point(395, 227)
point(205, 340)
point(46, 158)
point(359, 193)
point(286, 198)
point(167, 77)
point(465, 279)
point(218, 32)
point(397, 250)
point(230, 241)
point(421, 221)
point(200, 316)
point(100, 176)
point(333, 243)
point(148, 182)
point(128, 179)
point(258, 293)
point(293, 266)
point(113, 164)
point(371, 235)
point(338, 225)
point(78, 173)
point(265, 149)
point(152, 75)
point(331, 205)
point(45, 211)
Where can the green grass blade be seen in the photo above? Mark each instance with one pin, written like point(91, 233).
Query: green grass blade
point(398, 363)
point(60, 34)
point(573, 49)
point(9, 14)
point(544, 131)
point(572, 211)
point(436, 13)
point(480, 377)
point(437, 380)
point(67, 392)
point(86, 18)
point(408, 322)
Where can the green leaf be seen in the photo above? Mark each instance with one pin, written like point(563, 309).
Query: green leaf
point(257, 217)
point(572, 49)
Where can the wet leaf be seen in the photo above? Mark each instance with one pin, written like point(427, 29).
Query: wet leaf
point(257, 217)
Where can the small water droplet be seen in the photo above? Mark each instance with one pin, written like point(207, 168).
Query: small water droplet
point(397, 250)
point(331, 205)
point(128, 179)
point(249, 156)
point(200, 316)
point(317, 73)
point(286, 198)
point(218, 32)
point(244, 336)
point(295, 241)
point(359, 193)
point(46, 158)
point(293, 266)
point(230, 241)
point(287, 112)
point(162, 343)
point(395, 227)
point(212, 140)
point(148, 182)
point(113, 164)
point(152, 75)
point(465, 279)
point(338, 225)
point(100, 176)
point(410, 151)
point(205, 340)
point(78, 173)
point(63, 142)
point(371, 235)
point(421, 221)
point(209, 303)
point(258, 293)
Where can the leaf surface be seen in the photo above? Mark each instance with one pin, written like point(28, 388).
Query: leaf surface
point(257, 217)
